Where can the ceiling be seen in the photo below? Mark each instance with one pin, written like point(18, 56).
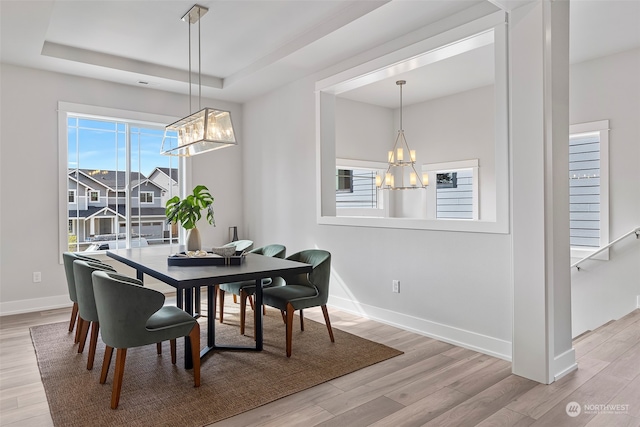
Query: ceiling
point(251, 47)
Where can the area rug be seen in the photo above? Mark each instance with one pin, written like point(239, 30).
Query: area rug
point(157, 393)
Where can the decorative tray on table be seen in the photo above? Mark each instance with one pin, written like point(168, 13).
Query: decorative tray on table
point(203, 258)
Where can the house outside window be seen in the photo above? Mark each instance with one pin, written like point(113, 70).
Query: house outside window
point(455, 194)
point(589, 188)
point(125, 158)
point(356, 192)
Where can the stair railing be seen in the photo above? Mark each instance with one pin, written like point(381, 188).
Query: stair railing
point(635, 231)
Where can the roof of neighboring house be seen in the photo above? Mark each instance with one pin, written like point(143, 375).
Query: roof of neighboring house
point(171, 172)
point(94, 210)
point(112, 179)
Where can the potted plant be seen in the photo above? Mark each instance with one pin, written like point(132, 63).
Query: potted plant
point(188, 211)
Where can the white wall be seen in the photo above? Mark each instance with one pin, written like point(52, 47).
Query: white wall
point(466, 298)
point(609, 88)
point(29, 175)
point(363, 131)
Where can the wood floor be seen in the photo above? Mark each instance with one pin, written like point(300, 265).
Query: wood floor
point(432, 383)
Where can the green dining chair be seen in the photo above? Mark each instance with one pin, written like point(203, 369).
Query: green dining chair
point(86, 305)
point(303, 291)
point(68, 258)
point(241, 246)
point(133, 316)
point(245, 290)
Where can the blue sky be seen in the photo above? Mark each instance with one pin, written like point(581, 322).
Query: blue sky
point(101, 145)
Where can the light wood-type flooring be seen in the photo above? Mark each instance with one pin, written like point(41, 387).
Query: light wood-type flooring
point(431, 384)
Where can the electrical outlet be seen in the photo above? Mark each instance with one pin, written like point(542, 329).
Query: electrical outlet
point(396, 286)
point(37, 277)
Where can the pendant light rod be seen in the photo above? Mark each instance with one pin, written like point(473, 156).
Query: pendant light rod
point(401, 83)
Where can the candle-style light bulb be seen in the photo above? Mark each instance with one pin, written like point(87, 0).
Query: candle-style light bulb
point(400, 155)
point(413, 179)
point(378, 181)
point(387, 178)
point(425, 179)
point(413, 155)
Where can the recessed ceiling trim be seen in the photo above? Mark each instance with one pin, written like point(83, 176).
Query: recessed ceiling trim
point(89, 57)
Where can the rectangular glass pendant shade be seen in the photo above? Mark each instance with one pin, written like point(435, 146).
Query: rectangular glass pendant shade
point(208, 129)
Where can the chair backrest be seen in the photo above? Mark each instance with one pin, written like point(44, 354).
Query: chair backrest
point(84, 287)
point(276, 251)
point(124, 306)
point(319, 276)
point(240, 245)
point(68, 258)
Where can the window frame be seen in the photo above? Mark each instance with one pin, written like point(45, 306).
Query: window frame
point(101, 113)
point(71, 194)
point(602, 128)
point(140, 193)
point(382, 211)
point(91, 193)
point(432, 169)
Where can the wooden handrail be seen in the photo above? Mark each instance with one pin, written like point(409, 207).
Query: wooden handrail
point(635, 231)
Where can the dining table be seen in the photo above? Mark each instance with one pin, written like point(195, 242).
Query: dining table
point(153, 261)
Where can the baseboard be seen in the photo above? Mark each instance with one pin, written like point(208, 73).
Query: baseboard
point(34, 304)
point(59, 301)
point(452, 335)
point(564, 364)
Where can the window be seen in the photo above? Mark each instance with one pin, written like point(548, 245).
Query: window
point(588, 187)
point(456, 191)
point(146, 197)
point(356, 192)
point(108, 155)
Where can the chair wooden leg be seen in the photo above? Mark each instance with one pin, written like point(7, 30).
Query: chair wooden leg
point(74, 315)
point(253, 307)
point(108, 352)
point(172, 344)
point(159, 347)
point(235, 300)
point(76, 339)
point(221, 298)
point(290, 311)
point(284, 317)
point(93, 343)
point(328, 322)
point(301, 321)
point(243, 310)
point(121, 356)
point(83, 335)
point(194, 338)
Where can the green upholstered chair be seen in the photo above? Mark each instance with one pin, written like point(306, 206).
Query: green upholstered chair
point(241, 246)
point(246, 289)
point(132, 316)
point(68, 258)
point(303, 291)
point(86, 304)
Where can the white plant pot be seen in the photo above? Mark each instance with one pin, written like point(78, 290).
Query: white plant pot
point(193, 240)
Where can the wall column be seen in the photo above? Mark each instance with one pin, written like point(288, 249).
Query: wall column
point(539, 86)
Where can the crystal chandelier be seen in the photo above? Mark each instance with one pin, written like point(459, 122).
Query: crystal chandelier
point(397, 163)
point(208, 129)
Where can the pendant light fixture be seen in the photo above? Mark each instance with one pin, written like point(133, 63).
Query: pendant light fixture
point(397, 162)
point(209, 128)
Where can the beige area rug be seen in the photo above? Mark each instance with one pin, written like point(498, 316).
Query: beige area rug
point(157, 393)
